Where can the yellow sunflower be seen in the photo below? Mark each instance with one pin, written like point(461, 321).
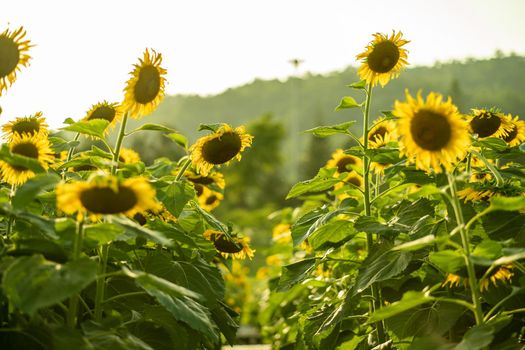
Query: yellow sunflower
point(470, 194)
point(160, 212)
point(112, 112)
point(128, 156)
point(432, 132)
point(238, 248)
point(452, 280)
point(343, 162)
point(516, 134)
point(13, 55)
point(219, 148)
point(106, 195)
point(503, 273)
point(381, 133)
point(145, 89)
point(282, 233)
point(484, 190)
point(383, 59)
point(32, 147)
point(489, 123)
point(213, 177)
point(209, 199)
point(34, 125)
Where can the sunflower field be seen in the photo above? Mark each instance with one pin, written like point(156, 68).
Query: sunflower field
point(412, 237)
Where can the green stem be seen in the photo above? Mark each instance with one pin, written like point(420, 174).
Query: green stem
point(375, 303)
point(124, 295)
point(72, 314)
point(183, 169)
point(118, 144)
point(72, 149)
point(473, 282)
point(469, 162)
point(101, 281)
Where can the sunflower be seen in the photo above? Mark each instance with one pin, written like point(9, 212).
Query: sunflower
point(112, 112)
point(33, 125)
point(471, 194)
point(24, 145)
point(238, 248)
point(343, 162)
point(13, 55)
point(452, 280)
point(106, 195)
point(489, 123)
point(381, 133)
point(213, 177)
point(160, 212)
point(219, 148)
point(383, 59)
point(431, 131)
point(484, 190)
point(282, 233)
point(145, 89)
point(516, 134)
point(128, 156)
point(503, 273)
point(209, 199)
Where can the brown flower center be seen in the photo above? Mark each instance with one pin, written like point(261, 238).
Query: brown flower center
point(485, 124)
point(103, 112)
point(204, 180)
point(211, 199)
point(222, 244)
point(9, 56)
point(219, 150)
point(103, 200)
point(343, 162)
point(430, 131)
point(199, 189)
point(355, 181)
point(148, 85)
point(25, 149)
point(383, 57)
point(378, 134)
point(30, 126)
point(512, 134)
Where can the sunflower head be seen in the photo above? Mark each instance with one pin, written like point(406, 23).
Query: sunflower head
point(504, 274)
point(128, 156)
point(516, 133)
point(145, 88)
point(209, 199)
point(432, 132)
point(36, 147)
point(343, 162)
point(237, 247)
point(489, 123)
point(32, 126)
point(13, 55)
point(213, 178)
point(482, 191)
point(112, 112)
point(381, 133)
point(106, 195)
point(452, 280)
point(383, 58)
point(225, 144)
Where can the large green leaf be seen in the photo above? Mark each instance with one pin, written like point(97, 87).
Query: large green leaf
point(333, 233)
point(28, 191)
point(102, 233)
point(222, 316)
point(295, 273)
point(347, 102)
point(321, 182)
point(94, 127)
point(135, 228)
point(448, 260)
point(329, 130)
point(176, 195)
point(153, 127)
point(372, 225)
point(32, 283)
point(300, 230)
point(478, 337)
point(410, 300)
point(507, 203)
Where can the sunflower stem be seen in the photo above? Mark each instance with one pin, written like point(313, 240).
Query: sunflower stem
point(101, 281)
point(376, 302)
point(118, 144)
point(11, 218)
point(72, 314)
point(473, 282)
point(183, 169)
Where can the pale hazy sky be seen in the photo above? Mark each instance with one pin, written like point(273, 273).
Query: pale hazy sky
point(85, 49)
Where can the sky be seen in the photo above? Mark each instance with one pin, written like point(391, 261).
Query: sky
point(84, 50)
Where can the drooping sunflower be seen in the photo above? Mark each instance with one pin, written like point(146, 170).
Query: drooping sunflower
point(225, 144)
point(145, 89)
point(503, 273)
point(106, 195)
point(112, 112)
point(516, 134)
point(128, 156)
point(343, 161)
point(32, 147)
point(209, 199)
point(160, 212)
point(484, 190)
point(238, 248)
point(383, 59)
point(211, 178)
point(13, 55)
point(432, 132)
point(34, 125)
point(489, 123)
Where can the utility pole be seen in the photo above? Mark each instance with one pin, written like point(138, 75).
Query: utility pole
point(294, 140)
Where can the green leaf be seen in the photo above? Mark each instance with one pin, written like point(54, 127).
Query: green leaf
point(372, 225)
point(381, 266)
point(49, 249)
point(135, 228)
point(388, 115)
point(478, 337)
point(295, 273)
point(347, 102)
point(150, 282)
point(493, 143)
point(212, 220)
point(176, 195)
point(28, 191)
point(360, 85)
point(333, 233)
point(321, 182)
point(300, 228)
point(319, 222)
point(329, 130)
point(210, 127)
point(20, 161)
point(103, 233)
point(58, 144)
point(32, 283)
point(180, 139)
point(504, 260)
point(507, 203)
point(416, 244)
point(226, 323)
point(153, 127)
point(448, 260)
point(94, 127)
point(410, 300)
